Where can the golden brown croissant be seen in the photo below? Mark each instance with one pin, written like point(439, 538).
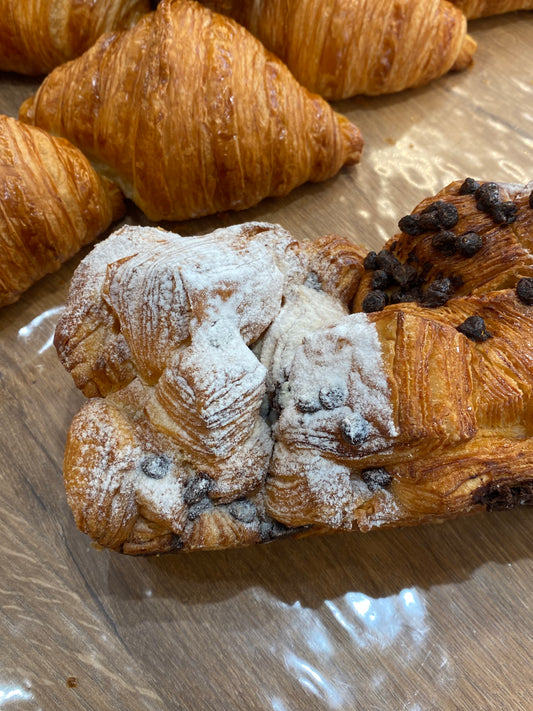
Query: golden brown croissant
point(484, 8)
point(37, 36)
point(234, 398)
point(340, 48)
point(53, 202)
point(190, 115)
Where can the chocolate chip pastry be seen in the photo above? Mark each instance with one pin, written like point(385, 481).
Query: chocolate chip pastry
point(244, 386)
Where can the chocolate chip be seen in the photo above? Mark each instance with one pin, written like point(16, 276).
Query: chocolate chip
point(504, 212)
point(198, 508)
point(355, 429)
point(155, 466)
point(386, 261)
point(271, 529)
point(468, 187)
point(499, 496)
point(399, 296)
point(308, 403)
point(380, 279)
point(531, 199)
point(429, 219)
point(447, 214)
point(243, 510)
point(410, 224)
point(474, 328)
point(457, 281)
point(487, 195)
point(437, 293)
point(333, 396)
point(374, 301)
point(403, 274)
point(197, 488)
point(524, 290)
point(370, 262)
point(376, 478)
point(313, 281)
point(469, 243)
point(445, 243)
point(176, 543)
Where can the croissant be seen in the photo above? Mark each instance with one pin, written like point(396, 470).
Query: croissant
point(236, 396)
point(53, 203)
point(483, 8)
point(190, 115)
point(35, 37)
point(340, 48)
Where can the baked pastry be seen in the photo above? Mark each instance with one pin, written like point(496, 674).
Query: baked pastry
point(235, 399)
point(216, 123)
point(53, 203)
point(35, 37)
point(341, 48)
point(483, 8)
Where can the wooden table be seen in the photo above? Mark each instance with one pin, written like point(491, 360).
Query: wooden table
point(430, 618)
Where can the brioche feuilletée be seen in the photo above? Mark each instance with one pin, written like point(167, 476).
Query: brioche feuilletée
point(244, 386)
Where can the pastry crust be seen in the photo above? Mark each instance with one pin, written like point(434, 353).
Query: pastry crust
point(484, 8)
point(217, 123)
point(341, 48)
point(38, 35)
point(236, 398)
point(53, 203)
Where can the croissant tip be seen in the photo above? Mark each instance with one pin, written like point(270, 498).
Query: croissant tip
point(466, 56)
point(353, 141)
point(26, 110)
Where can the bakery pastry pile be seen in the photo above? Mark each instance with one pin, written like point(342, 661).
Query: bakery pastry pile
point(220, 123)
point(244, 385)
point(189, 114)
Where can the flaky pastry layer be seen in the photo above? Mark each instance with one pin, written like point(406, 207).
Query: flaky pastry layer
point(245, 385)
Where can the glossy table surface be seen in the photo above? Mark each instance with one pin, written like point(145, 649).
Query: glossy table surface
point(438, 617)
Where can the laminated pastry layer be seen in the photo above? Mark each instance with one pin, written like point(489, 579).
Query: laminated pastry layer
point(52, 204)
point(166, 334)
point(245, 385)
point(37, 36)
point(190, 115)
point(341, 48)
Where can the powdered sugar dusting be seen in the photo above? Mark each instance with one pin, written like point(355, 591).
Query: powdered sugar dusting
point(212, 324)
point(337, 376)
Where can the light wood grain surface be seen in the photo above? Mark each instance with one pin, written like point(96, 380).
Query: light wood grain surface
point(438, 617)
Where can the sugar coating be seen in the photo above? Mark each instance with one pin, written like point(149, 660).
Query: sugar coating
point(243, 371)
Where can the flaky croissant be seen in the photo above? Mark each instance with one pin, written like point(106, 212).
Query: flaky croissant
point(190, 115)
point(235, 399)
point(483, 8)
point(340, 48)
point(53, 203)
point(37, 36)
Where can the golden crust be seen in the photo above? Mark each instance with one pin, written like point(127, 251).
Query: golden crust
point(484, 8)
point(340, 48)
point(37, 36)
point(220, 122)
point(53, 203)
